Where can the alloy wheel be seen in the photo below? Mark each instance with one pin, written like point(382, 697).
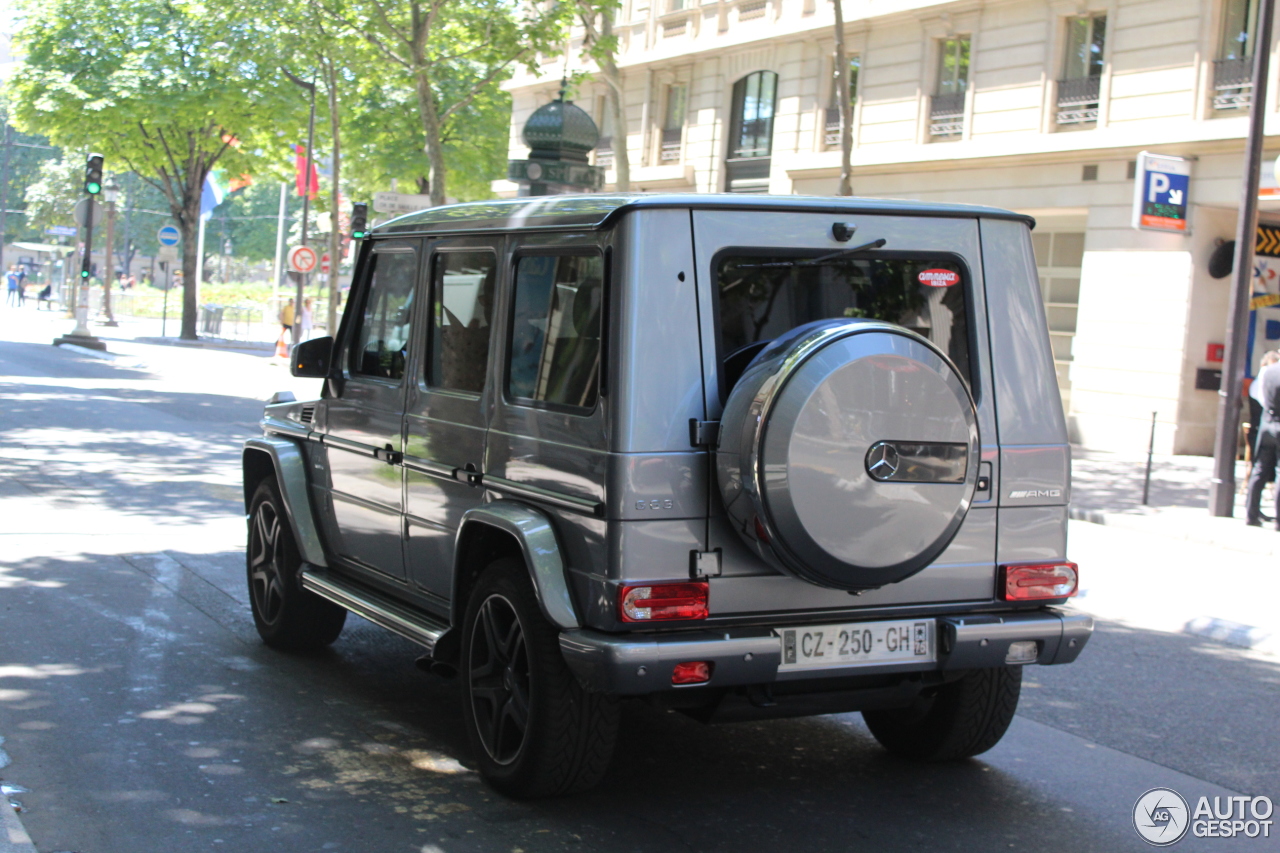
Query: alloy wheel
point(265, 558)
point(499, 679)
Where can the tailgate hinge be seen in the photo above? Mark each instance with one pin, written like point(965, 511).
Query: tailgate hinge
point(703, 432)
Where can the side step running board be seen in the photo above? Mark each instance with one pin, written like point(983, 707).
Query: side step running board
point(379, 609)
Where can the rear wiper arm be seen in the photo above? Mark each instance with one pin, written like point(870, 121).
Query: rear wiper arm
point(874, 244)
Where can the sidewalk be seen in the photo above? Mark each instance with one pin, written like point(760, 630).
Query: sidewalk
point(1106, 488)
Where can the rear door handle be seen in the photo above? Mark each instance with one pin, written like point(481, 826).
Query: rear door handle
point(389, 455)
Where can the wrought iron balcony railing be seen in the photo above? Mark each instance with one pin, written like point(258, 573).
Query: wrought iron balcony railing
point(946, 115)
point(1078, 100)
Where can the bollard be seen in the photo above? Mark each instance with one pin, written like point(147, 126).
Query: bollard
point(1151, 449)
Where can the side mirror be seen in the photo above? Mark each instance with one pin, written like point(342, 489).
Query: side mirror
point(312, 358)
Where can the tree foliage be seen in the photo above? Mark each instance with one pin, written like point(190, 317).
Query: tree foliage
point(167, 88)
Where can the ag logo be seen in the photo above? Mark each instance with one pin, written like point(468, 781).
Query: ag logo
point(882, 461)
point(1161, 817)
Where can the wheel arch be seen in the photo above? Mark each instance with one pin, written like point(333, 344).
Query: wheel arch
point(510, 529)
point(282, 458)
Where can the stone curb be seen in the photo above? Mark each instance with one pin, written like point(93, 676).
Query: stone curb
point(13, 836)
point(209, 343)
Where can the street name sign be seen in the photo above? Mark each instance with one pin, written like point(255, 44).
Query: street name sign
point(400, 202)
point(169, 235)
point(302, 259)
point(61, 230)
point(1160, 193)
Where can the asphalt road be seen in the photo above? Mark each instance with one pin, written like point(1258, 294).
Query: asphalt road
point(141, 713)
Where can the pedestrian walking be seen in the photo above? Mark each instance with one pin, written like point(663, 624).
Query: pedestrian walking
point(1264, 460)
point(14, 294)
point(286, 329)
point(305, 331)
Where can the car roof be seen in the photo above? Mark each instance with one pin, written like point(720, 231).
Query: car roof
point(599, 210)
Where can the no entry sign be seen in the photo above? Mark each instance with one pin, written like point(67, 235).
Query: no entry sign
point(302, 259)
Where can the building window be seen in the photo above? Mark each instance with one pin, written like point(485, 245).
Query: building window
point(1082, 73)
point(751, 134)
point(1233, 69)
point(946, 109)
point(673, 123)
point(831, 135)
point(604, 146)
point(1059, 257)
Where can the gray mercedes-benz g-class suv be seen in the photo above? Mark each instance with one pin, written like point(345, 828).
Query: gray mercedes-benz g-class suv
point(743, 456)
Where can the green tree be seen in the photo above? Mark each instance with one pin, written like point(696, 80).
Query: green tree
point(450, 54)
point(167, 88)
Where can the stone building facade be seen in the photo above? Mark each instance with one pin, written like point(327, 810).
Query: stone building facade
point(1040, 106)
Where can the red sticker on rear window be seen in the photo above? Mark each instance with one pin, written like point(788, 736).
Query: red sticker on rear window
point(939, 278)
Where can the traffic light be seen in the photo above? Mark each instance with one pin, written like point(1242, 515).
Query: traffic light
point(93, 174)
point(359, 220)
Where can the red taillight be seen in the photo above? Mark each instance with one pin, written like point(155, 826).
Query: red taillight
point(693, 672)
point(662, 602)
point(1040, 581)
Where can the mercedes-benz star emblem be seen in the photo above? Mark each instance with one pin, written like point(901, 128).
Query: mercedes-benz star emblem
point(882, 461)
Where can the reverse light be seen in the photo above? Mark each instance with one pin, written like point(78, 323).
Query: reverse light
point(693, 672)
point(1039, 581)
point(663, 602)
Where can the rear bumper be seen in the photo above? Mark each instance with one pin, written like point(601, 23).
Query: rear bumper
point(636, 664)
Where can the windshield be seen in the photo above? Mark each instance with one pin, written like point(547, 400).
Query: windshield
point(763, 296)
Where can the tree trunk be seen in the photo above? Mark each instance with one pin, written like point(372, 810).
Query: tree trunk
point(846, 105)
point(335, 235)
point(430, 115)
point(617, 100)
point(188, 221)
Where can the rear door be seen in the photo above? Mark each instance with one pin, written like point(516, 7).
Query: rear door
point(450, 400)
point(746, 296)
point(364, 418)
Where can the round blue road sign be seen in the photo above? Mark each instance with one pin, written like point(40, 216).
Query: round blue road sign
point(169, 235)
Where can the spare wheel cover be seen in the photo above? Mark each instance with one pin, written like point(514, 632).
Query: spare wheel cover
point(848, 453)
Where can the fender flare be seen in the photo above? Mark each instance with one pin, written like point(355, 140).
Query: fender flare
point(536, 535)
point(290, 466)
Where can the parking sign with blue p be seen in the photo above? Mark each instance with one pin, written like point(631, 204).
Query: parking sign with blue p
point(1161, 191)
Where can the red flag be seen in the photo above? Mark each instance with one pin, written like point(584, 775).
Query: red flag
point(300, 166)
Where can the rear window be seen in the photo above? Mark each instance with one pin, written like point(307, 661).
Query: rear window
point(764, 296)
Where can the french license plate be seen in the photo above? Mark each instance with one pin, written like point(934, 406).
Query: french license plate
point(821, 646)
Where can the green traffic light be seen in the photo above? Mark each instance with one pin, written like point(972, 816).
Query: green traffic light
point(357, 235)
point(93, 188)
point(84, 273)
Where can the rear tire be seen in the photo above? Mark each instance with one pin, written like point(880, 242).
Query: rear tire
point(958, 720)
point(534, 730)
point(286, 615)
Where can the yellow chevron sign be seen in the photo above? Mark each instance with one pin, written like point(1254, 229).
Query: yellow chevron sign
point(1268, 242)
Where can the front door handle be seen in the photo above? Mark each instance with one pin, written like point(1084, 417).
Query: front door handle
point(469, 475)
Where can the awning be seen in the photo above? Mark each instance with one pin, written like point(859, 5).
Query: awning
point(50, 248)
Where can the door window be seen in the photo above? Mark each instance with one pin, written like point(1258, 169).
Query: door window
point(461, 310)
point(555, 335)
point(382, 339)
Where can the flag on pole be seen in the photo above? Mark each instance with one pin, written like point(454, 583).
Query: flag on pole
point(305, 187)
point(215, 190)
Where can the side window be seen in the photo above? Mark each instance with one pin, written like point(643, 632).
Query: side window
point(555, 333)
point(382, 338)
point(461, 309)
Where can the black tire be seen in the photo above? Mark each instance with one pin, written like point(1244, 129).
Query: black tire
point(286, 615)
point(534, 730)
point(958, 720)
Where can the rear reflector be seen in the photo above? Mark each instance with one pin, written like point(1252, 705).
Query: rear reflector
point(1039, 581)
point(693, 672)
point(663, 602)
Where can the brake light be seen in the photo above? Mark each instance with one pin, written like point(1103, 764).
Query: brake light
point(1039, 581)
point(693, 672)
point(662, 602)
